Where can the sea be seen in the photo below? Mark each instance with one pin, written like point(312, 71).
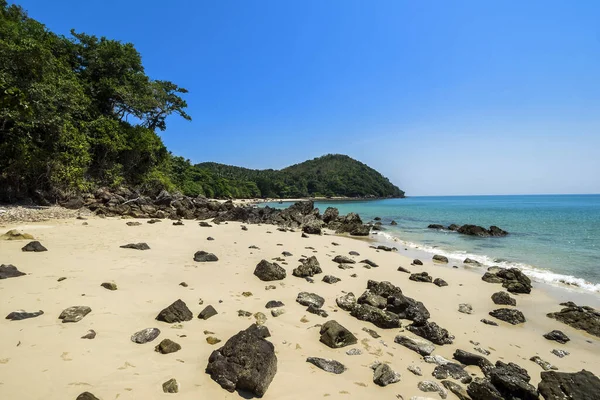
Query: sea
point(554, 239)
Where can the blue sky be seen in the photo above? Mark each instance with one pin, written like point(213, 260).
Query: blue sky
point(442, 97)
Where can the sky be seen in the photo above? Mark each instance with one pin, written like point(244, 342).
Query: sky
point(442, 97)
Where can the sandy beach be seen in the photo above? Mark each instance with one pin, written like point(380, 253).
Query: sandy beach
point(44, 358)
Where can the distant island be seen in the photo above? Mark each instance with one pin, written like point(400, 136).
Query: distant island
point(79, 113)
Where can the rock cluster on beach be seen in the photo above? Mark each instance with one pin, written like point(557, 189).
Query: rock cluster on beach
point(472, 230)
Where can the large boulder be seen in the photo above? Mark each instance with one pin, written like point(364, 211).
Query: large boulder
point(267, 271)
point(330, 214)
point(582, 385)
point(584, 318)
point(335, 335)
point(247, 362)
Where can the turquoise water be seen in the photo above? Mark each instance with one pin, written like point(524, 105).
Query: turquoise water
point(554, 238)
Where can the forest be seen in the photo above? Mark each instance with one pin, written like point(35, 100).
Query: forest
point(79, 112)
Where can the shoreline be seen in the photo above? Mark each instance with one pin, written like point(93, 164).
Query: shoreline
point(112, 366)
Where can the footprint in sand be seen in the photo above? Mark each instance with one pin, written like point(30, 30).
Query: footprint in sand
point(126, 365)
point(65, 356)
point(4, 360)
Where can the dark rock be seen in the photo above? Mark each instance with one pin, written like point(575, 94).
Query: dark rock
point(393, 223)
point(286, 254)
point(440, 282)
point(133, 223)
point(512, 279)
point(267, 271)
point(34, 246)
point(417, 262)
point(384, 248)
point(327, 364)
point(558, 336)
point(432, 332)
point(471, 262)
point(546, 366)
point(453, 370)
point(109, 285)
point(335, 335)
point(509, 315)
point(458, 390)
point(313, 227)
point(304, 235)
point(421, 277)
point(176, 312)
point(435, 226)
point(91, 334)
point(205, 224)
point(382, 319)
point(331, 279)
point(178, 223)
point(383, 375)
point(307, 299)
point(453, 227)
point(402, 269)
point(372, 333)
point(184, 284)
point(346, 302)
point(9, 271)
point(74, 314)
point(136, 246)
point(372, 299)
point(370, 263)
point(203, 256)
point(167, 346)
point(466, 358)
point(488, 322)
point(247, 362)
point(343, 260)
point(584, 318)
point(582, 385)
point(274, 304)
point(154, 221)
point(210, 238)
point(86, 396)
point(21, 315)
point(503, 298)
point(145, 335)
point(309, 267)
point(560, 353)
point(330, 214)
point(209, 311)
point(474, 230)
point(431, 386)
point(243, 313)
point(354, 253)
point(440, 259)
point(171, 386)
point(465, 308)
point(408, 308)
point(244, 227)
point(482, 389)
point(421, 346)
point(512, 383)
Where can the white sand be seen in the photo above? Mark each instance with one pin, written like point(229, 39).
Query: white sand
point(52, 362)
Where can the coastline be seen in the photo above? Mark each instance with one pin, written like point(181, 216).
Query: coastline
point(111, 365)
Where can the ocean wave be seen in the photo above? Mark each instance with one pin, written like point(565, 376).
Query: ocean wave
point(537, 274)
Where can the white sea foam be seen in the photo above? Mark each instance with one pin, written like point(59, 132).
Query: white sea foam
point(537, 274)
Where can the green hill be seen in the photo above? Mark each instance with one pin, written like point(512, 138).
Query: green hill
point(331, 175)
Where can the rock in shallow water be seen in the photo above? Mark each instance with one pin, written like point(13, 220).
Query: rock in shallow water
point(145, 335)
point(327, 364)
point(34, 246)
point(74, 314)
point(246, 362)
point(21, 315)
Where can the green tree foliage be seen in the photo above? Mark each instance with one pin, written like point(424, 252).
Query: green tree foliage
point(80, 112)
point(330, 175)
point(77, 112)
